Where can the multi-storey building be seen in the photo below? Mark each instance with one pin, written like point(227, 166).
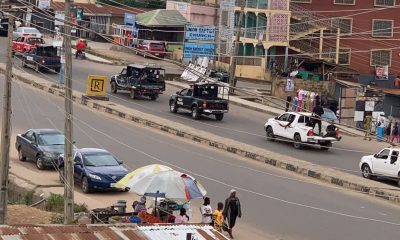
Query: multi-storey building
point(368, 34)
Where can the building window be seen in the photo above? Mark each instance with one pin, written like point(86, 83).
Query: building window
point(345, 25)
point(301, 1)
point(382, 28)
point(225, 18)
point(381, 57)
point(384, 3)
point(344, 56)
point(345, 2)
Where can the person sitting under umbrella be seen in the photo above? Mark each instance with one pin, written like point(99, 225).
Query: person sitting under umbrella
point(182, 217)
point(141, 206)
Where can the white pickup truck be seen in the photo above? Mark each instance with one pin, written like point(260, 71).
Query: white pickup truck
point(296, 127)
point(383, 164)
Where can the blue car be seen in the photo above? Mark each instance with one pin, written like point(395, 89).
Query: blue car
point(94, 169)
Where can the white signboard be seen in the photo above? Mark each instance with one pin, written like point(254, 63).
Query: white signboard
point(44, 4)
point(181, 6)
point(60, 16)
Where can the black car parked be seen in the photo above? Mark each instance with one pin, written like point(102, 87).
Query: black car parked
point(42, 57)
point(201, 98)
point(43, 146)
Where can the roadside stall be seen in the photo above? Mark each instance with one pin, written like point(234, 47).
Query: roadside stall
point(170, 189)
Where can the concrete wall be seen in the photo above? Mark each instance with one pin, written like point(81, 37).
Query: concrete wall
point(392, 105)
point(320, 87)
point(195, 14)
point(248, 71)
point(367, 79)
point(360, 61)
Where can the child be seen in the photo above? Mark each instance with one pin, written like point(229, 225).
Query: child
point(218, 218)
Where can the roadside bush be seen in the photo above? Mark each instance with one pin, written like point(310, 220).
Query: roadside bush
point(55, 203)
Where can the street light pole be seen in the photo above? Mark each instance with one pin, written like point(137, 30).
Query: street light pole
point(233, 61)
point(6, 127)
point(68, 157)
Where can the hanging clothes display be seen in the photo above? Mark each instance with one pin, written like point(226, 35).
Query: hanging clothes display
point(300, 100)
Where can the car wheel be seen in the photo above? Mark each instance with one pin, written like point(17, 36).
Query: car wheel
point(113, 87)
point(195, 113)
point(21, 156)
point(270, 134)
point(37, 67)
point(61, 174)
point(219, 116)
point(133, 94)
point(154, 97)
point(39, 162)
point(366, 171)
point(326, 146)
point(172, 106)
point(297, 142)
point(24, 63)
point(85, 185)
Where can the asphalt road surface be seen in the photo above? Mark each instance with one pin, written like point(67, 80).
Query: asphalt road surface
point(240, 124)
point(276, 204)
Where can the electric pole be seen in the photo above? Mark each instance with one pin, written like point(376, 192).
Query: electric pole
point(68, 157)
point(6, 126)
point(232, 69)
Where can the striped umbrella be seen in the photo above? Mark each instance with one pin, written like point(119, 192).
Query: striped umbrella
point(170, 184)
point(135, 176)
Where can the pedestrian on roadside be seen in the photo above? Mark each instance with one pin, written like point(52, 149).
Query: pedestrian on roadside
point(182, 217)
point(231, 211)
point(395, 132)
point(141, 206)
point(206, 211)
point(389, 130)
point(218, 218)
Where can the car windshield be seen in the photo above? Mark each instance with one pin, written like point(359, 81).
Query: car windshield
point(34, 40)
point(51, 139)
point(31, 30)
point(328, 114)
point(99, 159)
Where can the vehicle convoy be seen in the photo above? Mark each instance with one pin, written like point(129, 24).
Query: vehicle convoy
point(94, 169)
point(200, 98)
point(42, 57)
point(43, 146)
point(297, 127)
point(25, 44)
point(384, 164)
point(140, 80)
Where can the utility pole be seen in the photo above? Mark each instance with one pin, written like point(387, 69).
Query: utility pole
point(216, 38)
point(68, 157)
point(232, 70)
point(6, 126)
point(337, 46)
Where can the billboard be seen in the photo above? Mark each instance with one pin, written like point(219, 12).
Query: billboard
point(198, 50)
point(195, 32)
point(382, 72)
point(130, 19)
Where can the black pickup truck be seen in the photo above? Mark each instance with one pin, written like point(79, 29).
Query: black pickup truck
point(200, 98)
point(140, 80)
point(42, 57)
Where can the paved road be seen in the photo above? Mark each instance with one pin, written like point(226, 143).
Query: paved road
point(275, 204)
point(240, 124)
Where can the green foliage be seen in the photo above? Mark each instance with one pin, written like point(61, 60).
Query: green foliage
point(57, 219)
point(28, 198)
point(156, 4)
point(55, 203)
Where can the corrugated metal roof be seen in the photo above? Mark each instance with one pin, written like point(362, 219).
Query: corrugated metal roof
point(109, 232)
point(98, 9)
point(161, 18)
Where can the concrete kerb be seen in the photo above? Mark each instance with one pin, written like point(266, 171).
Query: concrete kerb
point(304, 168)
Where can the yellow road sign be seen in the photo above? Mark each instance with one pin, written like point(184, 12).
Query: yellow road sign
point(96, 86)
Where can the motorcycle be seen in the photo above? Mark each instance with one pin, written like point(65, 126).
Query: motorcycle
point(80, 54)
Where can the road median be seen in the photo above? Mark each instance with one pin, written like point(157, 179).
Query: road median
point(322, 173)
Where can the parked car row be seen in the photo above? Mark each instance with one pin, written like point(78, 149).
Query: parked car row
point(94, 169)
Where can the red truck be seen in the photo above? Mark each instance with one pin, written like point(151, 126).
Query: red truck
point(25, 44)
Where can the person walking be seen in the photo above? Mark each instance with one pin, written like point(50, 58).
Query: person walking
point(231, 211)
point(218, 218)
point(206, 211)
point(389, 130)
point(395, 132)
